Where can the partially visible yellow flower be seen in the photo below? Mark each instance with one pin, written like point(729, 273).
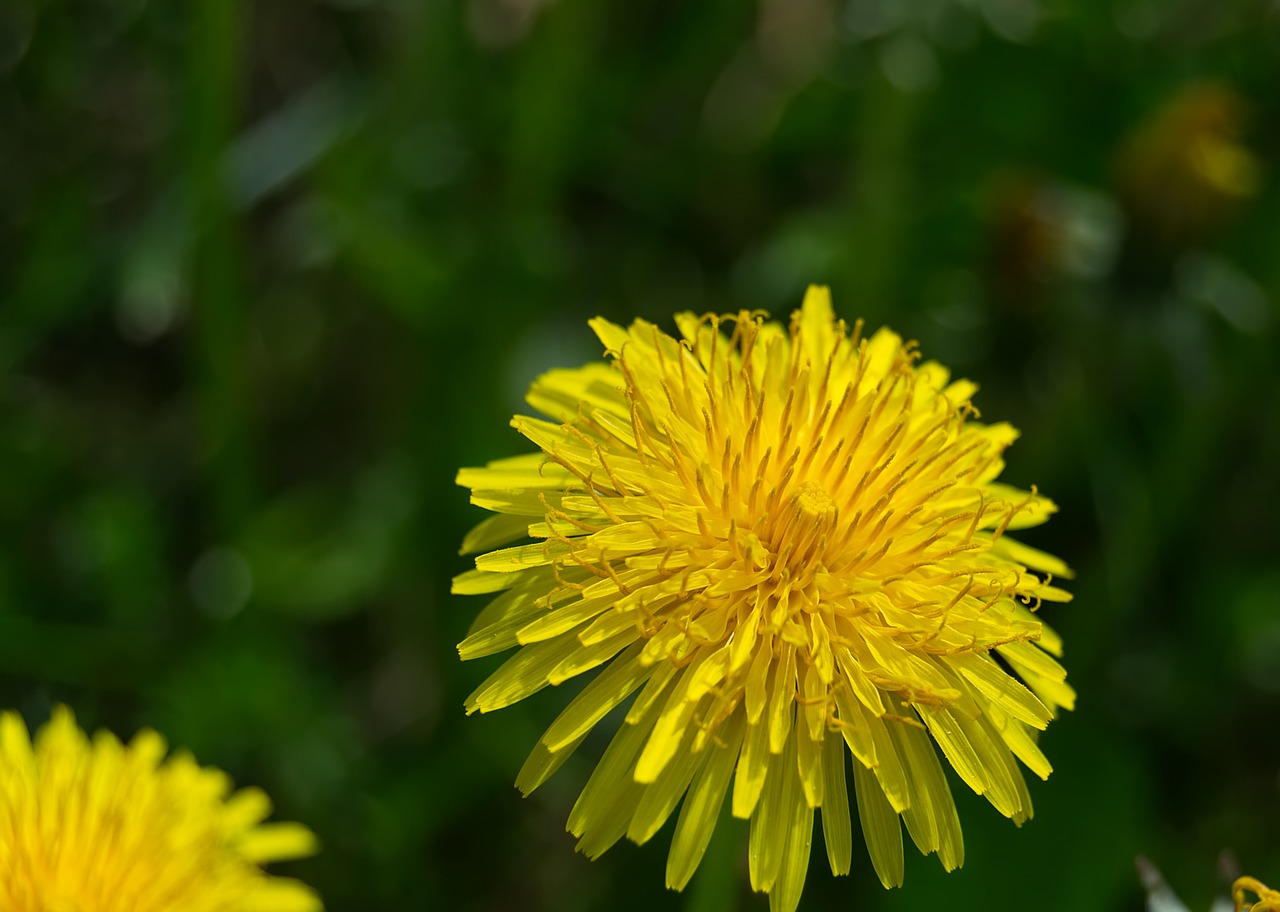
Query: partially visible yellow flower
point(1268, 899)
point(105, 827)
point(1184, 172)
point(793, 545)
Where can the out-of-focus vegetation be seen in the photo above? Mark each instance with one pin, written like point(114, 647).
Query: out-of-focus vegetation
point(272, 271)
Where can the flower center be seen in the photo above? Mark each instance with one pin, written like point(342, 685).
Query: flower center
point(799, 535)
point(814, 505)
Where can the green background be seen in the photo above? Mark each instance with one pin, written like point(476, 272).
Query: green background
point(271, 272)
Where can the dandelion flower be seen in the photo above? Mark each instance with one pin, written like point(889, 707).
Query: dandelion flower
point(793, 546)
point(103, 827)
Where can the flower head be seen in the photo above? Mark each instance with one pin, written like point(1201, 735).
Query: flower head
point(793, 546)
point(104, 827)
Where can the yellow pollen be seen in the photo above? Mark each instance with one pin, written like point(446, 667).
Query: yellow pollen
point(815, 504)
point(800, 532)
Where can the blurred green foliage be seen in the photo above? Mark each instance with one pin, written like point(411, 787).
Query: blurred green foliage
point(272, 272)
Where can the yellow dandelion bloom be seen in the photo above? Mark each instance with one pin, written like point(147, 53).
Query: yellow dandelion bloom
point(793, 546)
point(104, 827)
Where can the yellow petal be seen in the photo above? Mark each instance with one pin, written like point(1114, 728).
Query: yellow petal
point(606, 691)
point(278, 842)
point(836, 831)
point(753, 767)
point(702, 805)
point(880, 828)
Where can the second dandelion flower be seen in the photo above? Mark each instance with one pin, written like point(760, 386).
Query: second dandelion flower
point(792, 543)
